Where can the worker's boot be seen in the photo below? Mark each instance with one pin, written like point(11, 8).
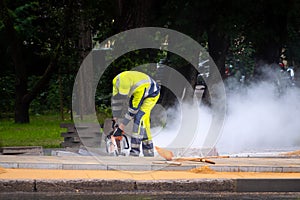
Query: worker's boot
point(148, 150)
point(134, 152)
point(148, 154)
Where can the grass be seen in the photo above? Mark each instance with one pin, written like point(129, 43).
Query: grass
point(43, 130)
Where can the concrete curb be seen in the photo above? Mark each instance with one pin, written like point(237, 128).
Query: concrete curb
point(106, 186)
point(205, 185)
point(268, 185)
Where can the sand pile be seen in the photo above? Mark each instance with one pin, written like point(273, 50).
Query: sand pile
point(292, 153)
point(204, 170)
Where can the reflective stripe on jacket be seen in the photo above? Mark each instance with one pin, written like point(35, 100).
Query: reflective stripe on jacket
point(135, 85)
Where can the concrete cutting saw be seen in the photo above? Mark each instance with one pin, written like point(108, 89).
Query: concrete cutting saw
point(116, 145)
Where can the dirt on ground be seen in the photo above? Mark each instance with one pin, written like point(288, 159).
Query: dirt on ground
point(292, 153)
point(2, 170)
point(203, 169)
point(135, 175)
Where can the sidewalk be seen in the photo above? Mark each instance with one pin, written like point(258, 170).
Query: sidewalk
point(131, 174)
point(235, 164)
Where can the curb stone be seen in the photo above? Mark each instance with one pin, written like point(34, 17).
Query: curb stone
point(205, 185)
point(106, 186)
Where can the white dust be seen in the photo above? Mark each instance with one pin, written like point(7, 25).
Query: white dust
point(257, 118)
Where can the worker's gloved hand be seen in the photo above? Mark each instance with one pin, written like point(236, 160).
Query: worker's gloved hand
point(118, 132)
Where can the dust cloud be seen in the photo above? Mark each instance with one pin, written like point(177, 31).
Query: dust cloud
point(258, 118)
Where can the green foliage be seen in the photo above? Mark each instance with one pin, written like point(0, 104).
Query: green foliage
point(241, 56)
point(293, 46)
point(293, 43)
point(103, 112)
point(46, 100)
point(25, 20)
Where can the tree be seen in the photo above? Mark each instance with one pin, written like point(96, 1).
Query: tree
point(293, 29)
point(267, 28)
point(23, 97)
point(35, 42)
point(46, 38)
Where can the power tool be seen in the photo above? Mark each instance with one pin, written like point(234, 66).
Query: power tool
point(116, 145)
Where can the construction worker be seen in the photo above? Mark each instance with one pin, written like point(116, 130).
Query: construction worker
point(143, 93)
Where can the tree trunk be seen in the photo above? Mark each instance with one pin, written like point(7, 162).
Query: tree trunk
point(218, 45)
point(85, 47)
point(133, 14)
point(21, 104)
point(274, 31)
point(21, 110)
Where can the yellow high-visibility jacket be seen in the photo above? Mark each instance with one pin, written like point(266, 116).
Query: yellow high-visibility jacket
point(135, 85)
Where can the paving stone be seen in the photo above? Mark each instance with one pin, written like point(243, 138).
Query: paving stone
point(129, 167)
point(290, 169)
point(84, 167)
point(40, 165)
point(172, 168)
point(9, 165)
point(142, 164)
